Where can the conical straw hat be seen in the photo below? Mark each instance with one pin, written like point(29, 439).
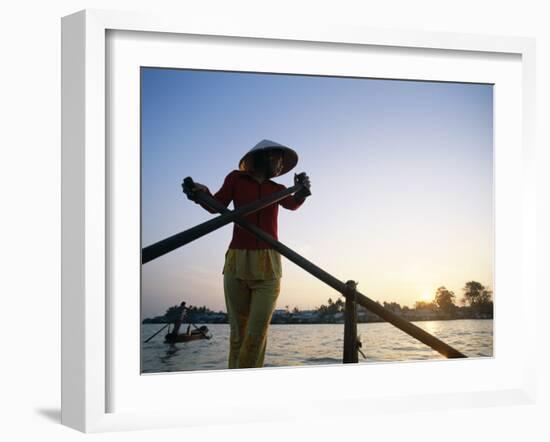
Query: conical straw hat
point(290, 157)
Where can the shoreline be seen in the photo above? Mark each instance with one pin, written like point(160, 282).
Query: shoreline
point(339, 322)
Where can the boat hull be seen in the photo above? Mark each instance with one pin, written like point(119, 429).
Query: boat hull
point(185, 337)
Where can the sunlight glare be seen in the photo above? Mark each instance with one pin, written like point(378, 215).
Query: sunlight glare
point(426, 296)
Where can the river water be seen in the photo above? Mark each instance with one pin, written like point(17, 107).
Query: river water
point(311, 344)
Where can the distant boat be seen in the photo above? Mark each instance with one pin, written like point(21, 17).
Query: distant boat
point(199, 333)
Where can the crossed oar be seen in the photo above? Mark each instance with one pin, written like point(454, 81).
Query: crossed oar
point(180, 239)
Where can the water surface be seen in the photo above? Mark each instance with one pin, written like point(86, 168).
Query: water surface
point(314, 344)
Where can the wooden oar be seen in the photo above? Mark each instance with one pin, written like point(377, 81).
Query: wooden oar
point(394, 319)
point(156, 333)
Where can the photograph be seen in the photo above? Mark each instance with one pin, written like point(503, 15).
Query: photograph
point(304, 220)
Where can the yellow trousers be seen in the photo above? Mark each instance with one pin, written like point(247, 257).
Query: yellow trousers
point(250, 305)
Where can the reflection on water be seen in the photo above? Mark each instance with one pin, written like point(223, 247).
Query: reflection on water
point(314, 344)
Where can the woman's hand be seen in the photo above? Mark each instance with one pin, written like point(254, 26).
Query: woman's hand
point(190, 191)
point(201, 187)
point(302, 179)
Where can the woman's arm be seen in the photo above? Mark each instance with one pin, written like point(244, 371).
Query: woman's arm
point(291, 202)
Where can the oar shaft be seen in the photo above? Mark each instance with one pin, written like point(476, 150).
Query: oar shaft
point(157, 333)
point(404, 325)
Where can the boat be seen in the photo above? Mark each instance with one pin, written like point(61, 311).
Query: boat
point(198, 333)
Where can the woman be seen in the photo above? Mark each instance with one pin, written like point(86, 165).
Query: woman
point(252, 269)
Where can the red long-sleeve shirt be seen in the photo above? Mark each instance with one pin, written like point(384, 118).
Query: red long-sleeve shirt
point(242, 189)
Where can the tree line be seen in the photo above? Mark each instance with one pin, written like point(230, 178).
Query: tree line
point(475, 296)
point(476, 301)
point(193, 314)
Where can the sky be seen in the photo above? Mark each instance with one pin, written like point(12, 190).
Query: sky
point(401, 178)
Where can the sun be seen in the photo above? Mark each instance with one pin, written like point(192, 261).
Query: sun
point(426, 296)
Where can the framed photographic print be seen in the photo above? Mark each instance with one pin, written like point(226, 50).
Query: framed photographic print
point(251, 210)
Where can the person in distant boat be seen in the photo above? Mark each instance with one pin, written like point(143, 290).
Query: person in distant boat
point(252, 270)
point(179, 320)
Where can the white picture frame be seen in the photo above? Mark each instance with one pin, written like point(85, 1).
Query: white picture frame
point(87, 312)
